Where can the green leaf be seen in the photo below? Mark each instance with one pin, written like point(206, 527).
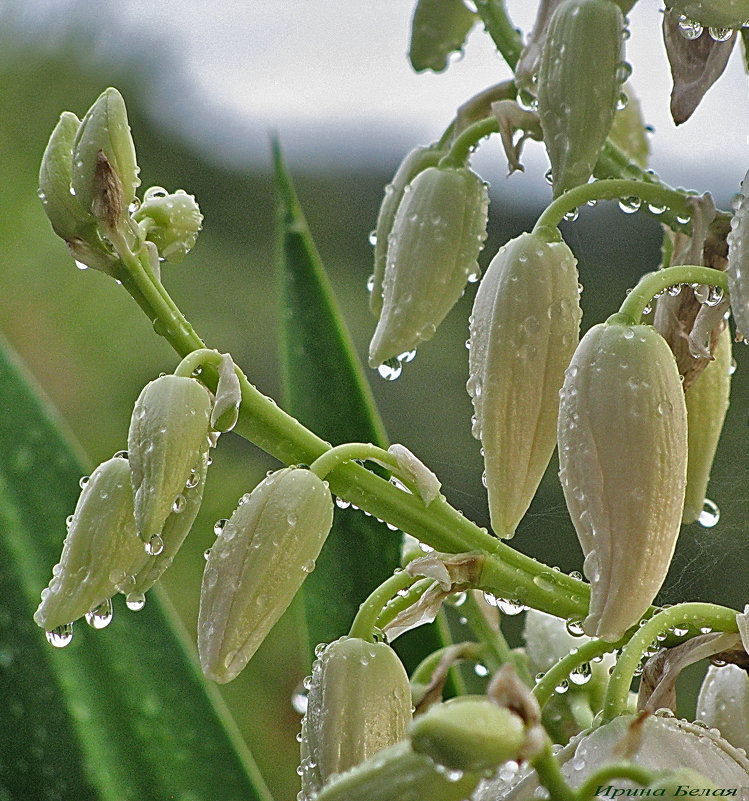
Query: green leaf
point(118, 715)
point(326, 389)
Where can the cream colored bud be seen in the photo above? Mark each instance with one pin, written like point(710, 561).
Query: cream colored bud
point(171, 221)
point(524, 329)
point(359, 703)
point(101, 540)
point(259, 561)
point(168, 432)
point(724, 703)
point(623, 463)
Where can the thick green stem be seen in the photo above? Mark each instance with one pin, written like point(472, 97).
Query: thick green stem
point(717, 618)
point(348, 452)
point(617, 770)
point(550, 775)
point(653, 283)
point(467, 140)
point(613, 189)
point(498, 25)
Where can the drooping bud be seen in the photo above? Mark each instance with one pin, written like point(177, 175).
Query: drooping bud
point(576, 104)
point(707, 403)
point(104, 169)
point(170, 221)
point(658, 742)
point(738, 259)
point(468, 733)
point(524, 329)
point(713, 13)
point(438, 232)
point(439, 28)
point(259, 561)
point(101, 540)
point(168, 432)
point(415, 162)
point(724, 703)
point(624, 484)
point(359, 703)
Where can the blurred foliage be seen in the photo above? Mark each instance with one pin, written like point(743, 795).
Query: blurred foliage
point(91, 349)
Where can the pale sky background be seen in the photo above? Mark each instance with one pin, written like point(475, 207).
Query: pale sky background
point(333, 79)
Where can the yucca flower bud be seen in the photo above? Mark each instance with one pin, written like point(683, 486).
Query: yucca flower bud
point(101, 539)
point(707, 404)
point(713, 13)
point(259, 561)
point(438, 232)
point(415, 162)
point(737, 268)
point(622, 464)
point(439, 28)
point(104, 169)
point(168, 432)
point(577, 103)
point(171, 222)
point(658, 742)
point(359, 703)
point(468, 733)
point(147, 570)
point(724, 703)
point(524, 329)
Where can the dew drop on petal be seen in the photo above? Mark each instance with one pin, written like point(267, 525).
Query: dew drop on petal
point(154, 546)
point(61, 636)
point(100, 617)
point(135, 601)
point(710, 514)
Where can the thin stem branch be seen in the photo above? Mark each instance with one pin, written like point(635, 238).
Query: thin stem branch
point(718, 618)
point(467, 140)
point(616, 770)
point(349, 451)
point(499, 26)
point(550, 775)
point(365, 621)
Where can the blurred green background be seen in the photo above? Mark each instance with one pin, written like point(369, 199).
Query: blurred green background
point(91, 349)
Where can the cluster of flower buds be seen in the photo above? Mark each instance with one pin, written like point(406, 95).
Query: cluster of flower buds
point(87, 185)
point(576, 104)
point(134, 511)
point(680, 753)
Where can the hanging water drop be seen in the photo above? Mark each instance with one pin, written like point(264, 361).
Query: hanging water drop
point(407, 356)
point(574, 627)
point(581, 675)
point(629, 205)
point(710, 514)
point(370, 283)
point(622, 101)
point(689, 28)
point(120, 455)
point(218, 526)
point(720, 34)
point(154, 546)
point(179, 504)
point(100, 617)
point(135, 601)
point(83, 481)
point(61, 636)
point(193, 479)
point(390, 369)
point(510, 608)
point(373, 237)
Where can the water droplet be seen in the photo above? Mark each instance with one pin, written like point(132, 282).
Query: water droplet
point(656, 208)
point(456, 599)
point(218, 526)
point(571, 215)
point(100, 617)
point(299, 698)
point(577, 575)
point(689, 28)
point(622, 101)
point(61, 636)
point(732, 366)
point(206, 553)
point(628, 333)
point(574, 627)
point(582, 674)
point(390, 369)
point(407, 356)
point(178, 506)
point(154, 546)
point(674, 291)
point(135, 601)
point(473, 278)
point(720, 34)
point(526, 100)
point(562, 687)
point(193, 479)
point(480, 670)
point(630, 204)
point(710, 514)
point(342, 503)
point(69, 521)
point(548, 177)
point(679, 631)
point(510, 608)
point(623, 71)
point(81, 266)
point(544, 581)
point(373, 238)
point(120, 455)
point(83, 481)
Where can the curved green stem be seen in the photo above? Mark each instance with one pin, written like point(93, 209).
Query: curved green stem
point(612, 189)
point(718, 618)
point(550, 775)
point(561, 670)
point(402, 601)
point(499, 26)
point(467, 140)
point(653, 283)
point(349, 451)
point(422, 674)
point(198, 358)
point(365, 621)
point(616, 770)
